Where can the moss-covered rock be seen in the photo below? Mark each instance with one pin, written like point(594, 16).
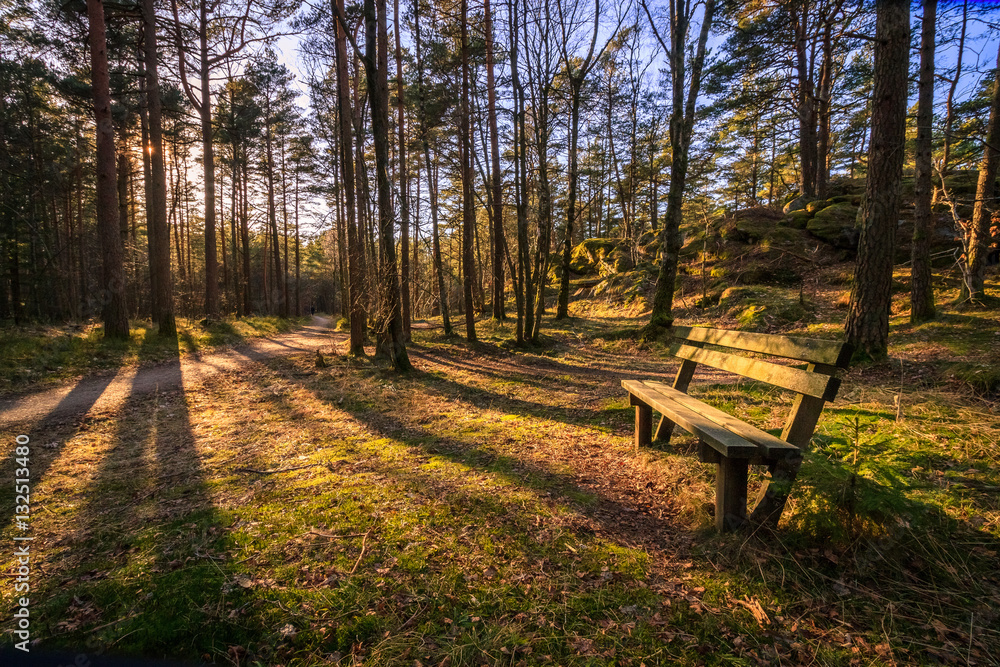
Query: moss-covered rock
point(625, 286)
point(796, 219)
point(756, 225)
point(814, 206)
point(836, 225)
point(797, 204)
point(758, 308)
point(762, 274)
point(588, 255)
point(853, 200)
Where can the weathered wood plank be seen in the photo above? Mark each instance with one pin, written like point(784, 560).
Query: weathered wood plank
point(795, 379)
point(727, 443)
point(643, 424)
point(730, 494)
point(684, 374)
point(770, 445)
point(831, 352)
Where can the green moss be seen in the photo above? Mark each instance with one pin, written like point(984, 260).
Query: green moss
point(836, 225)
point(758, 307)
point(814, 206)
point(796, 219)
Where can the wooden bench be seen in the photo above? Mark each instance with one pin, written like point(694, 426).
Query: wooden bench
point(727, 441)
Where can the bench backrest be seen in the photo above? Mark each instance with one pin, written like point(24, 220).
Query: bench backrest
point(814, 385)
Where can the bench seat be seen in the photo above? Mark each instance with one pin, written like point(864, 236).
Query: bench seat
point(729, 442)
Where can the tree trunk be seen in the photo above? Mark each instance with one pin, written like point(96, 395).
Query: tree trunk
point(468, 212)
point(562, 310)
point(823, 113)
point(376, 68)
point(805, 105)
point(432, 183)
point(949, 102)
point(115, 312)
point(979, 234)
point(404, 202)
point(354, 244)
point(158, 231)
point(681, 130)
point(272, 220)
point(208, 161)
point(921, 291)
point(867, 324)
point(497, 177)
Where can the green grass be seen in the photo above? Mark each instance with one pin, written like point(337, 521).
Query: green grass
point(489, 508)
point(38, 356)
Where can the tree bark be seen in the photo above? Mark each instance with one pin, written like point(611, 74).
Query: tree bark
point(979, 234)
point(272, 219)
point(376, 69)
point(404, 202)
point(115, 312)
point(432, 183)
point(468, 212)
point(208, 161)
point(867, 325)
point(681, 131)
point(354, 243)
point(921, 291)
point(497, 178)
point(158, 232)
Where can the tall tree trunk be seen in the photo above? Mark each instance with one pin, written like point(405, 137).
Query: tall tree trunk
point(805, 103)
point(355, 250)
point(525, 279)
point(681, 130)
point(867, 324)
point(376, 68)
point(432, 183)
point(272, 219)
point(468, 212)
point(404, 202)
point(298, 258)
point(823, 112)
point(979, 234)
point(208, 161)
point(921, 291)
point(496, 176)
point(562, 310)
point(115, 311)
point(158, 231)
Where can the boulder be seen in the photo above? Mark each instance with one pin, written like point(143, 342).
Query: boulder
point(587, 255)
point(837, 225)
point(796, 219)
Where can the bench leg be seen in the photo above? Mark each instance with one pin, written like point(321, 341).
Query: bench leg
point(730, 494)
point(774, 495)
point(664, 430)
point(643, 424)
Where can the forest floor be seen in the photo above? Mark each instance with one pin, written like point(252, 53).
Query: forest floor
point(489, 508)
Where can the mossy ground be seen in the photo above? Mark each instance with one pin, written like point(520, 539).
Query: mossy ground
point(489, 508)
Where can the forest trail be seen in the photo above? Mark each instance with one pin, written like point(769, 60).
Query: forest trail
point(109, 390)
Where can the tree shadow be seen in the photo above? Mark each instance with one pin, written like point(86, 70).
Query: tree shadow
point(57, 426)
point(152, 556)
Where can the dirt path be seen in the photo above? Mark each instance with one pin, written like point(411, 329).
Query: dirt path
point(108, 391)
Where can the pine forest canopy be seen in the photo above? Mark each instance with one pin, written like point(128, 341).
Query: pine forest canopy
point(477, 157)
